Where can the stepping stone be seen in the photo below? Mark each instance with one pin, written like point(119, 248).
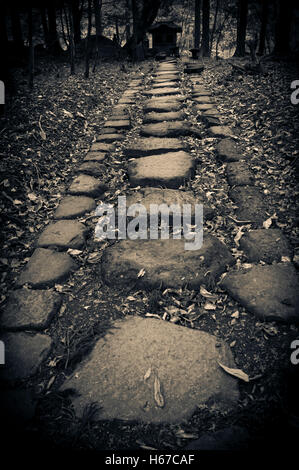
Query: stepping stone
point(126, 100)
point(102, 147)
point(167, 99)
point(107, 138)
point(169, 129)
point(166, 263)
point(167, 68)
point(201, 99)
point(46, 268)
point(169, 170)
point(252, 204)
point(163, 91)
point(239, 174)
point(228, 150)
point(168, 77)
point(164, 84)
point(205, 107)
point(24, 354)
point(63, 234)
point(233, 438)
point(86, 185)
point(95, 156)
point(74, 206)
point(29, 309)
point(269, 292)
point(209, 120)
point(159, 107)
point(220, 131)
point(160, 117)
point(148, 196)
point(120, 108)
point(212, 112)
point(265, 245)
point(200, 90)
point(92, 168)
point(123, 124)
point(109, 130)
point(154, 145)
point(119, 116)
point(194, 68)
point(183, 361)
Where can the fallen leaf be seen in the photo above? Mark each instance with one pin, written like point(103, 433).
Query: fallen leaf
point(185, 435)
point(209, 306)
point(141, 273)
point(267, 223)
point(157, 393)
point(147, 374)
point(235, 372)
point(207, 294)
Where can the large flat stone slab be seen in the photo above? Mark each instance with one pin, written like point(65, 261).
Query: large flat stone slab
point(63, 234)
point(201, 99)
point(269, 292)
point(92, 168)
point(45, 268)
point(107, 138)
point(205, 107)
point(24, 353)
point(148, 196)
point(228, 150)
point(87, 186)
point(160, 107)
point(95, 156)
point(169, 129)
point(220, 131)
point(159, 84)
point(74, 206)
point(162, 91)
point(181, 360)
point(28, 309)
point(252, 204)
point(166, 262)
point(239, 174)
point(169, 170)
point(160, 117)
point(173, 77)
point(265, 245)
point(102, 147)
point(123, 124)
point(154, 145)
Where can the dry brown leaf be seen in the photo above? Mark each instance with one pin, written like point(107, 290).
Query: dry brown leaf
point(235, 372)
point(159, 399)
point(147, 374)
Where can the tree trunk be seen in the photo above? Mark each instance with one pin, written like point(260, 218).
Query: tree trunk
point(206, 28)
point(128, 25)
point(282, 27)
point(76, 14)
point(87, 54)
point(197, 23)
point(54, 45)
point(241, 28)
point(70, 28)
point(16, 27)
point(45, 25)
point(142, 20)
point(263, 29)
point(214, 25)
point(31, 49)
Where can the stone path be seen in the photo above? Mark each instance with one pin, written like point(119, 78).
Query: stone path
point(146, 369)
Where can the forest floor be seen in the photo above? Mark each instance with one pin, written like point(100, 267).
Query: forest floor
point(45, 134)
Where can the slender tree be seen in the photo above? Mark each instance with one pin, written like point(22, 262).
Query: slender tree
point(97, 6)
point(77, 15)
point(43, 16)
point(31, 48)
point(241, 28)
point(197, 8)
point(72, 48)
point(263, 28)
point(214, 25)
point(205, 28)
point(87, 53)
point(284, 14)
point(54, 45)
point(16, 26)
